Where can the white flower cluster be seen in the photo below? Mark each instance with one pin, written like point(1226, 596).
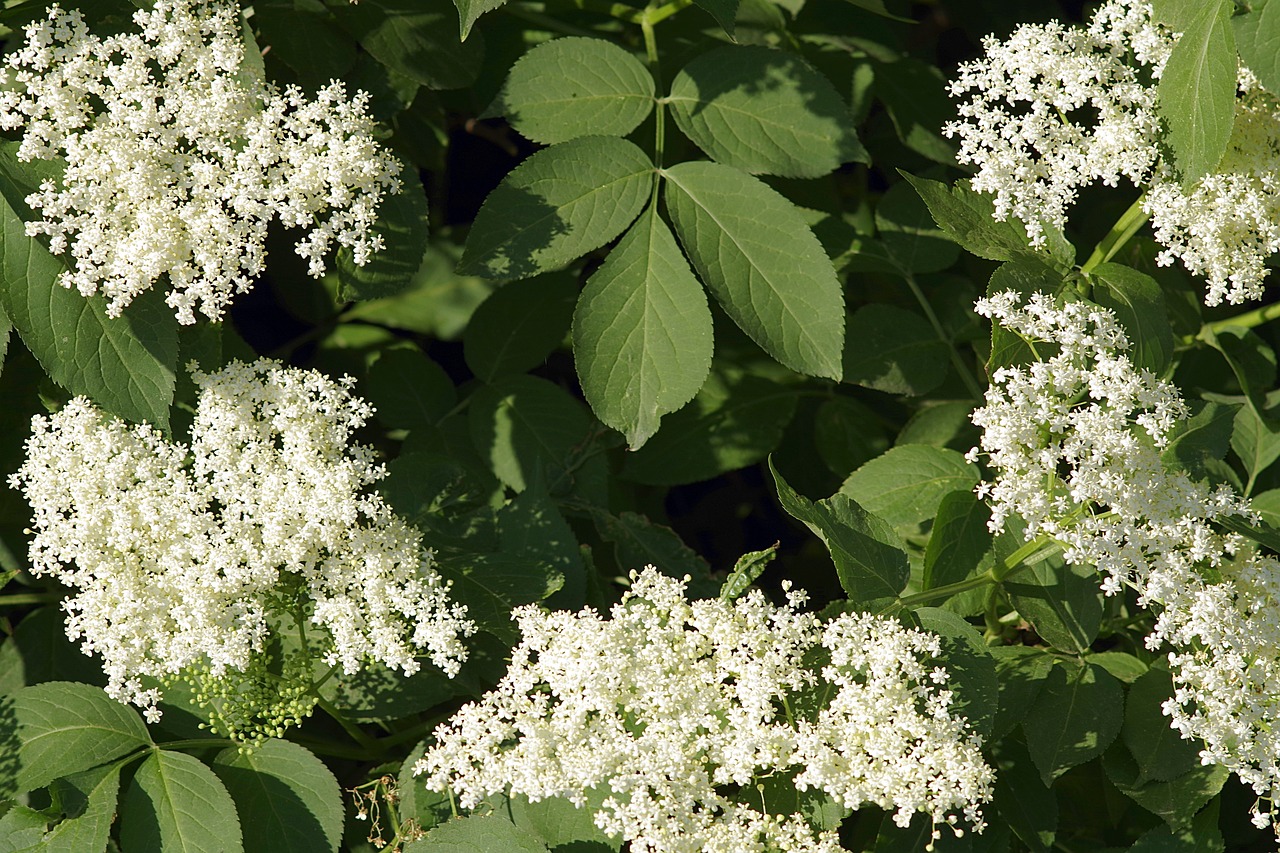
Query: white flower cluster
point(1053, 109)
point(184, 558)
point(670, 705)
point(178, 157)
point(1075, 440)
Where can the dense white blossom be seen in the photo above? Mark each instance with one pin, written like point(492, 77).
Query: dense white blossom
point(178, 156)
point(184, 558)
point(1075, 439)
point(1054, 108)
point(668, 705)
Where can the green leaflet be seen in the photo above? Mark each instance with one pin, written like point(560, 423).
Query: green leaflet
point(1257, 37)
point(285, 796)
point(574, 87)
point(1075, 718)
point(642, 332)
point(470, 10)
point(764, 111)
point(402, 223)
point(1063, 602)
point(520, 325)
point(905, 485)
point(176, 803)
point(416, 39)
point(1138, 303)
point(893, 350)
point(562, 202)
point(1196, 95)
point(762, 263)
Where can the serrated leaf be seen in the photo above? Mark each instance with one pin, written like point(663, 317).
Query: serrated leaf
point(1138, 303)
point(402, 224)
point(287, 796)
point(1075, 718)
point(893, 350)
point(526, 428)
point(520, 325)
point(642, 332)
point(1158, 748)
point(1062, 601)
point(492, 585)
point(176, 804)
point(1025, 277)
point(1257, 36)
point(869, 557)
point(1176, 801)
point(1255, 440)
point(530, 527)
point(905, 485)
point(914, 94)
point(765, 267)
point(124, 364)
point(407, 389)
point(736, 419)
point(558, 823)
point(478, 834)
point(1020, 673)
point(39, 651)
point(469, 11)
point(724, 11)
point(639, 542)
point(911, 237)
point(1196, 94)
point(562, 202)
point(746, 570)
point(764, 111)
point(958, 540)
point(572, 87)
point(971, 668)
point(63, 727)
point(88, 830)
point(1023, 801)
point(416, 39)
point(1201, 439)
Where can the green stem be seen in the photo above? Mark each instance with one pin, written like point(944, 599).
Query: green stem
point(21, 598)
point(665, 11)
point(1014, 564)
point(349, 727)
point(199, 743)
point(1126, 226)
point(970, 381)
point(660, 108)
point(544, 21)
point(1249, 319)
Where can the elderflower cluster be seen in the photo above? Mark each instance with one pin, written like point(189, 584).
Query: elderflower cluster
point(1075, 441)
point(178, 156)
point(675, 710)
point(187, 560)
point(1053, 109)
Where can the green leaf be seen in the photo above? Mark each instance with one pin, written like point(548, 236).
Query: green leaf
point(527, 428)
point(1062, 601)
point(1201, 439)
point(531, 528)
point(1255, 440)
point(306, 41)
point(971, 668)
point(558, 823)
point(379, 694)
point(1138, 303)
point(438, 302)
point(749, 567)
point(407, 389)
point(1175, 801)
point(910, 235)
point(1075, 718)
point(175, 804)
point(562, 202)
point(958, 541)
point(969, 218)
point(1257, 35)
point(942, 424)
point(1124, 666)
point(1264, 534)
point(39, 651)
point(469, 12)
point(478, 834)
point(1200, 839)
point(572, 87)
point(520, 325)
point(1025, 277)
point(1157, 747)
point(869, 557)
point(764, 111)
point(761, 261)
point(914, 94)
point(1021, 672)
point(1023, 801)
point(724, 11)
point(638, 542)
point(22, 829)
point(124, 364)
point(416, 39)
point(492, 585)
point(286, 796)
point(905, 485)
point(642, 332)
point(88, 829)
point(402, 224)
point(893, 350)
point(63, 727)
point(1196, 95)
point(736, 419)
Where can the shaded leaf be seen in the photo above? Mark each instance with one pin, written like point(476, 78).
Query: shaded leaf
point(970, 666)
point(520, 325)
point(286, 796)
point(1138, 303)
point(1075, 718)
point(175, 803)
point(402, 224)
point(416, 39)
point(1157, 747)
point(958, 540)
point(1257, 37)
point(893, 350)
point(525, 428)
point(469, 11)
point(1062, 601)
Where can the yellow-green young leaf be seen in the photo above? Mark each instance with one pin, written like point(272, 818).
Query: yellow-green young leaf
point(642, 332)
point(60, 728)
point(562, 202)
point(470, 10)
point(575, 87)
point(90, 800)
point(176, 804)
point(1257, 35)
point(520, 325)
point(724, 11)
point(764, 111)
point(1075, 718)
point(124, 364)
point(416, 39)
point(893, 350)
point(765, 267)
point(1196, 95)
point(402, 224)
point(287, 797)
point(905, 485)
point(745, 572)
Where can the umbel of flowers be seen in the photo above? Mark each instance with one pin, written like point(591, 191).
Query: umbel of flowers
point(1053, 109)
point(176, 156)
point(1074, 439)
point(676, 711)
point(188, 560)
